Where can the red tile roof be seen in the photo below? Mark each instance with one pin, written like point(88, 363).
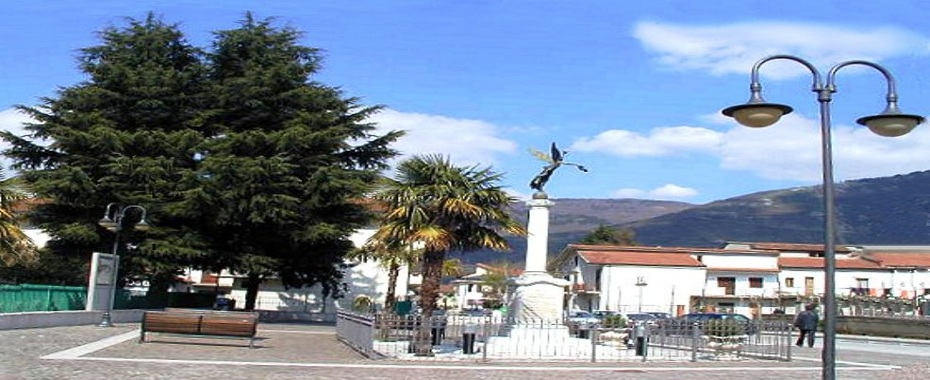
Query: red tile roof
point(901, 259)
point(512, 272)
point(744, 270)
point(688, 250)
point(798, 247)
point(817, 262)
point(639, 258)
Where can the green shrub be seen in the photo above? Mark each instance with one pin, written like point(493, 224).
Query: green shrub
point(723, 327)
point(614, 321)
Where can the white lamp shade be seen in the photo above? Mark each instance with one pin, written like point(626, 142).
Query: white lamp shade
point(758, 116)
point(892, 126)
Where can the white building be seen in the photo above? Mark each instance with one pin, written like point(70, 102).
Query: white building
point(471, 290)
point(746, 278)
point(368, 279)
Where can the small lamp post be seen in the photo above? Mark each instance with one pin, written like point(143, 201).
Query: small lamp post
point(112, 220)
point(758, 113)
point(641, 283)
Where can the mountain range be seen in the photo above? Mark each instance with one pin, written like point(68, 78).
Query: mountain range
point(885, 211)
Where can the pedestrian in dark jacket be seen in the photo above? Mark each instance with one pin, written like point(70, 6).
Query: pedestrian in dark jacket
point(806, 321)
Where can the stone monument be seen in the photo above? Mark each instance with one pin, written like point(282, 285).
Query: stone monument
point(538, 297)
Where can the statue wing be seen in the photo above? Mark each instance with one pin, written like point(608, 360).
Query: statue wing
point(556, 153)
point(540, 155)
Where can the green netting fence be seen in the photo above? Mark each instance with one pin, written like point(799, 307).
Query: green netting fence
point(28, 297)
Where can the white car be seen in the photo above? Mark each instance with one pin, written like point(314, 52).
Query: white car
point(582, 318)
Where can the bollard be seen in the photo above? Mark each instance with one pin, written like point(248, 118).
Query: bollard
point(468, 338)
point(436, 335)
point(695, 337)
point(639, 334)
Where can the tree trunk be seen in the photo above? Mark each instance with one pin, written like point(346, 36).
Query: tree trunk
point(390, 298)
point(157, 294)
point(429, 293)
point(251, 291)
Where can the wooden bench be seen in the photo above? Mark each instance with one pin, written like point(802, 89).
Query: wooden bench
point(203, 323)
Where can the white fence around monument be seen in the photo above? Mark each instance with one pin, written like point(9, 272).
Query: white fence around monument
point(486, 338)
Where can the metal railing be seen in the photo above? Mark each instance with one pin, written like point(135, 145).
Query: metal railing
point(486, 338)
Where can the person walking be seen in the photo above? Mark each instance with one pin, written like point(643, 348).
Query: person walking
point(806, 321)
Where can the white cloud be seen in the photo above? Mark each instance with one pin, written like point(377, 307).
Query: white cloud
point(13, 121)
point(660, 141)
point(733, 48)
point(464, 141)
point(791, 150)
point(664, 192)
point(671, 191)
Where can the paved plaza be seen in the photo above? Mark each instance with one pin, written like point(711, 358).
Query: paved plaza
point(301, 351)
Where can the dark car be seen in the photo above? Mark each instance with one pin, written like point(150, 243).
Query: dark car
point(711, 316)
point(659, 314)
point(645, 318)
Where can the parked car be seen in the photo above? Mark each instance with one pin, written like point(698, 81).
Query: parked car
point(700, 317)
point(659, 314)
point(603, 314)
point(582, 318)
point(477, 313)
point(636, 318)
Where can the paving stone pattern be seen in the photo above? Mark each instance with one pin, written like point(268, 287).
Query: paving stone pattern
point(297, 351)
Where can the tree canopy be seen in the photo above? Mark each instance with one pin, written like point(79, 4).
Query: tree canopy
point(607, 235)
point(240, 158)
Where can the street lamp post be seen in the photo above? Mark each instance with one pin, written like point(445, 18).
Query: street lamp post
point(757, 113)
point(112, 220)
point(641, 283)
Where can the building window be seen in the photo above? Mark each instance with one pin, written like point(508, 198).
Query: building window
point(725, 307)
point(789, 282)
point(755, 282)
point(728, 284)
point(862, 287)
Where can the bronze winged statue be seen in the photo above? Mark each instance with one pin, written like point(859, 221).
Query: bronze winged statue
point(556, 159)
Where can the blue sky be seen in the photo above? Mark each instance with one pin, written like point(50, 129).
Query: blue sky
point(632, 91)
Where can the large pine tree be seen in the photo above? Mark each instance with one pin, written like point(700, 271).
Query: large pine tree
point(282, 183)
point(128, 134)
point(240, 159)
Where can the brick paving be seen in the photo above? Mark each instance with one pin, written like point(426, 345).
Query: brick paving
point(298, 351)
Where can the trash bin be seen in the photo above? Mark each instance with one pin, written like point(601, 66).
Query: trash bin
point(640, 339)
point(584, 331)
point(468, 338)
point(437, 334)
point(221, 303)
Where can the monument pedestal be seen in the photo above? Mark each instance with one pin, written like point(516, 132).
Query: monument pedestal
point(537, 300)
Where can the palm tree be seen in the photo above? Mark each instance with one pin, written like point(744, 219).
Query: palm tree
point(441, 207)
point(15, 246)
point(451, 268)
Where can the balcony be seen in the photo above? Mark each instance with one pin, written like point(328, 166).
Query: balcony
point(584, 288)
